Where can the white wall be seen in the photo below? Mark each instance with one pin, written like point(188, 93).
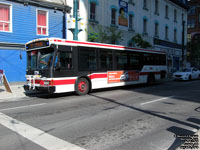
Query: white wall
point(103, 16)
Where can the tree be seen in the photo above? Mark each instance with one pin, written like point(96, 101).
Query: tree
point(193, 48)
point(114, 35)
point(108, 35)
point(137, 39)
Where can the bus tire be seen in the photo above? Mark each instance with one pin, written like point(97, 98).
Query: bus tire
point(151, 79)
point(82, 86)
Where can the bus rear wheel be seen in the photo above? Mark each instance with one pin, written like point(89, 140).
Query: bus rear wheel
point(82, 86)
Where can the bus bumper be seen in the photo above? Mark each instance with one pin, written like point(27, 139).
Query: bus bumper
point(50, 89)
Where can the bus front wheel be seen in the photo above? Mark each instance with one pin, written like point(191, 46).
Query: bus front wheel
point(82, 86)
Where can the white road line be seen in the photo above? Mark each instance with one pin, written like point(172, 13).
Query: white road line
point(156, 100)
point(35, 135)
point(22, 107)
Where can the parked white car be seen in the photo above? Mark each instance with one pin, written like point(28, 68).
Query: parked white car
point(187, 74)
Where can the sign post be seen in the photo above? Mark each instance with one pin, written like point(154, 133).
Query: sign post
point(4, 80)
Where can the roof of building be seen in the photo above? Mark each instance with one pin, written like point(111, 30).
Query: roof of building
point(59, 5)
point(180, 3)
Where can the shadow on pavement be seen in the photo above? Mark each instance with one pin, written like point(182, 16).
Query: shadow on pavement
point(173, 129)
point(182, 132)
point(178, 132)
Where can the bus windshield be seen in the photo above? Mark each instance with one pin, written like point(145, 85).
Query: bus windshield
point(32, 60)
point(45, 59)
point(40, 59)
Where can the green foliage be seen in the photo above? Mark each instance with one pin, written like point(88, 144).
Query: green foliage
point(194, 53)
point(114, 35)
point(92, 36)
point(137, 39)
point(109, 35)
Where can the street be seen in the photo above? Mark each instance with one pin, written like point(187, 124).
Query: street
point(125, 118)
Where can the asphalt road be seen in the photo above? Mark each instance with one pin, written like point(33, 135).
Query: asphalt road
point(127, 118)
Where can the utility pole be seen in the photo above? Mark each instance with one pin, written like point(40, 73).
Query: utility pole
point(64, 24)
point(75, 15)
point(64, 19)
point(183, 43)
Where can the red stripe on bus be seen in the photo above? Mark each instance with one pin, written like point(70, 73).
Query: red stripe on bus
point(62, 82)
point(41, 82)
point(55, 82)
point(112, 46)
point(95, 76)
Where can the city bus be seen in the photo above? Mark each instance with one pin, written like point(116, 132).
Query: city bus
point(58, 65)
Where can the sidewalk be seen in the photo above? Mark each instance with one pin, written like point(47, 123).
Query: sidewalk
point(17, 92)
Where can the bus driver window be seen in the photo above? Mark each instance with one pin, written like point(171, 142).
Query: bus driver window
point(63, 60)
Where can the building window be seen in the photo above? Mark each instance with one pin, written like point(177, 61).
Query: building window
point(156, 7)
point(145, 4)
point(144, 26)
point(175, 35)
point(156, 30)
point(183, 17)
point(166, 12)
point(113, 16)
point(191, 23)
point(189, 37)
point(5, 18)
point(166, 32)
point(131, 22)
point(42, 22)
point(192, 10)
point(131, 2)
point(92, 11)
point(175, 15)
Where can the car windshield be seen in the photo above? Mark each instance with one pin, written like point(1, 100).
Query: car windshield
point(186, 70)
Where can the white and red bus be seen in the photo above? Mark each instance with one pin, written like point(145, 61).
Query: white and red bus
point(58, 65)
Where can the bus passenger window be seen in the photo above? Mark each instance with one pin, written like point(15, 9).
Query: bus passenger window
point(87, 59)
point(122, 60)
point(65, 60)
point(105, 59)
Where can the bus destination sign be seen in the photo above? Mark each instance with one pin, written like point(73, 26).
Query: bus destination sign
point(37, 44)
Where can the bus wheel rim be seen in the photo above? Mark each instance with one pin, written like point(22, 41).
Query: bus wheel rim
point(82, 86)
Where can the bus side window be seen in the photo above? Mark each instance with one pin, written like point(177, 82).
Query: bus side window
point(121, 60)
point(87, 59)
point(106, 60)
point(65, 59)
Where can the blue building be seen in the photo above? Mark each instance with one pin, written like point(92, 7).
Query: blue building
point(22, 21)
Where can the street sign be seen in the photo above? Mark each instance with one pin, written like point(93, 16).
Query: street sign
point(1, 76)
point(4, 80)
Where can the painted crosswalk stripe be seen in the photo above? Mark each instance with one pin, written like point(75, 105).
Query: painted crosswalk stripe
point(13, 108)
point(35, 135)
point(160, 99)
